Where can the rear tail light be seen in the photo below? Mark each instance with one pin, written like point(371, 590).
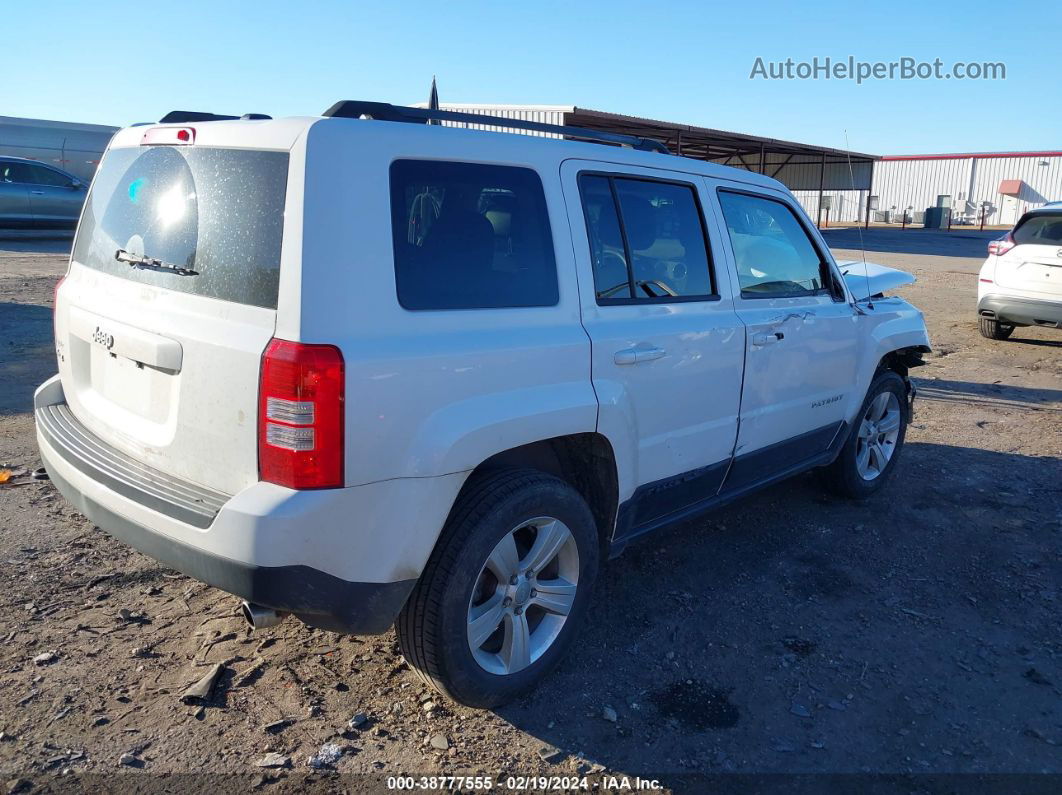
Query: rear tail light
point(1002, 246)
point(300, 415)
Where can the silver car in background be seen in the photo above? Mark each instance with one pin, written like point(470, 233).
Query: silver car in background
point(37, 196)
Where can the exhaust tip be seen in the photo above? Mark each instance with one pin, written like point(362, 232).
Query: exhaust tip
point(259, 617)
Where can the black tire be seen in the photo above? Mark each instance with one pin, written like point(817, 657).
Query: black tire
point(432, 627)
point(993, 329)
point(842, 477)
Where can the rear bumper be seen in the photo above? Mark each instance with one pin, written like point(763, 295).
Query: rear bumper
point(1021, 311)
point(344, 560)
point(318, 598)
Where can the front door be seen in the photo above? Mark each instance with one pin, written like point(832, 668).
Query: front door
point(54, 199)
point(1008, 211)
point(802, 341)
point(14, 195)
point(667, 348)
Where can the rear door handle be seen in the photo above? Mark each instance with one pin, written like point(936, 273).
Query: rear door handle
point(37, 192)
point(638, 355)
point(767, 339)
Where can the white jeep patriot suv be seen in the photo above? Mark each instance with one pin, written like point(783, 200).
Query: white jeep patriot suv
point(367, 372)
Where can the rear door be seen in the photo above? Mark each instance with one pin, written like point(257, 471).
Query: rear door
point(802, 343)
point(14, 195)
point(666, 347)
point(1034, 265)
point(160, 365)
point(55, 199)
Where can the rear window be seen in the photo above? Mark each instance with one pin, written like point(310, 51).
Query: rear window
point(470, 236)
point(1041, 230)
point(219, 212)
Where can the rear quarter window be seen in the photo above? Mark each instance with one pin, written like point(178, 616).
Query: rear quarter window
point(470, 236)
point(219, 212)
point(1042, 230)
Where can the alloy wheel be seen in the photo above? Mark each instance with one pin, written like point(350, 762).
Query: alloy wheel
point(523, 595)
point(879, 431)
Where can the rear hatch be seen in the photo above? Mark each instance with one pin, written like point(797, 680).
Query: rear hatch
point(170, 300)
point(1034, 265)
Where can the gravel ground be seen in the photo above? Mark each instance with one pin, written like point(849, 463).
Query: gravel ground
point(790, 633)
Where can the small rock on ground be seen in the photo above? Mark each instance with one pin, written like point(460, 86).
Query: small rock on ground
point(550, 754)
point(439, 742)
point(358, 721)
point(326, 757)
point(274, 760)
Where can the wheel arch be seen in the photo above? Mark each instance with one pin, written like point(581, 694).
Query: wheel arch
point(586, 461)
point(902, 360)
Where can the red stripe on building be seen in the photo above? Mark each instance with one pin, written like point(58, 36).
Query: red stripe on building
point(978, 155)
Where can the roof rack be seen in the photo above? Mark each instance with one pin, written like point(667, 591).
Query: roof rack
point(383, 111)
point(178, 116)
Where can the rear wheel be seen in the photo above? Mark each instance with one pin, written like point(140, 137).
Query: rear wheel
point(869, 455)
point(993, 329)
point(502, 595)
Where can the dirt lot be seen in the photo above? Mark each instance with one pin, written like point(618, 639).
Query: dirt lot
point(791, 633)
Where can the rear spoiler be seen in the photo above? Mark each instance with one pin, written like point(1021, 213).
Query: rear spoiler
point(182, 116)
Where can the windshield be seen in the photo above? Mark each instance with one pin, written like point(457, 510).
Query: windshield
point(217, 212)
point(1043, 230)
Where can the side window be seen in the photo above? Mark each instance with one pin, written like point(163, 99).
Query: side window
point(647, 239)
point(774, 255)
point(470, 236)
point(39, 175)
point(15, 172)
point(607, 250)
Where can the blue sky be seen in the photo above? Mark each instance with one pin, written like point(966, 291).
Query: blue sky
point(117, 62)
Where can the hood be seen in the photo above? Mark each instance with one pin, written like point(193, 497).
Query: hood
point(872, 279)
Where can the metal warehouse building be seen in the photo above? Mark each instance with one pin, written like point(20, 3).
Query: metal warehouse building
point(843, 177)
point(835, 185)
point(1001, 184)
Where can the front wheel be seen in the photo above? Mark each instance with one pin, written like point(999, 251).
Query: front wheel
point(869, 455)
point(502, 595)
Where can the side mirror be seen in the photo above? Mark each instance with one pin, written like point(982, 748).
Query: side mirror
point(76, 185)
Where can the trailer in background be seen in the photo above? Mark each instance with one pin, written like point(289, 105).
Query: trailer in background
point(73, 147)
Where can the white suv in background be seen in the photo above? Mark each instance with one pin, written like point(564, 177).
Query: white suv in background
point(368, 372)
point(1020, 283)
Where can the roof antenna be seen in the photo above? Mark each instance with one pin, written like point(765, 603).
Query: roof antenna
point(433, 100)
point(862, 248)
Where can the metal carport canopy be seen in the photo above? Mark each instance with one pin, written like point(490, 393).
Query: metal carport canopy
point(798, 166)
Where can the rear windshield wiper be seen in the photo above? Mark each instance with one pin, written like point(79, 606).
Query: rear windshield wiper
point(142, 262)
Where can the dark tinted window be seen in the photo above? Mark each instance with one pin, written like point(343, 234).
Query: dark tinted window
point(217, 211)
point(773, 252)
point(1042, 230)
point(662, 238)
point(607, 252)
point(15, 172)
point(470, 236)
point(39, 175)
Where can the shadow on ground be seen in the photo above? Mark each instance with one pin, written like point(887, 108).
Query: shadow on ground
point(995, 395)
point(960, 242)
point(30, 241)
point(26, 357)
point(915, 632)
